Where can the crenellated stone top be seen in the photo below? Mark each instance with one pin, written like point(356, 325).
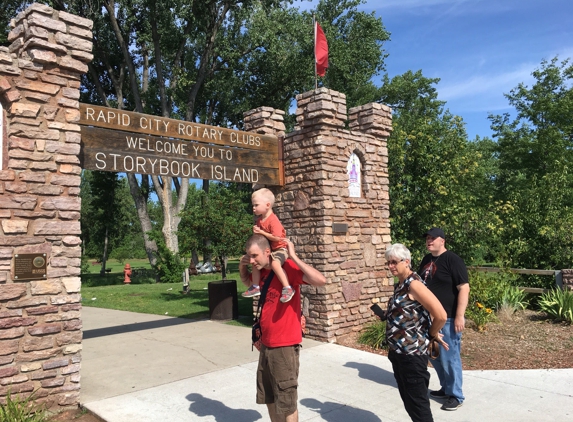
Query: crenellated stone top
point(372, 118)
point(41, 35)
point(265, 120)
point(321, 106)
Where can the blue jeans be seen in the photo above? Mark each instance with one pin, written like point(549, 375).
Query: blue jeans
point(449, 365)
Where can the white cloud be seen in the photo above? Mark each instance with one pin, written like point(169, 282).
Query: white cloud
point(484, 84)
point(414, 4)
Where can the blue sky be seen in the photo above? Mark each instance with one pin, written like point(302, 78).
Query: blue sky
point(480, 49)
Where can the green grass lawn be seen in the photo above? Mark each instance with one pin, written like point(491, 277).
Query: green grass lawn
point(148, 297)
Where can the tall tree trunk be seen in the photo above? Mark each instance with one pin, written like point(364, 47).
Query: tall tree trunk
point(146, 226)
point(104, 258)
point(206, 242)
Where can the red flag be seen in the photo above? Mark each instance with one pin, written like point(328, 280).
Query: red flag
point(320, 50)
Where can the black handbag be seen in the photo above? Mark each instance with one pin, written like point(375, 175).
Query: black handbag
point(257, 332)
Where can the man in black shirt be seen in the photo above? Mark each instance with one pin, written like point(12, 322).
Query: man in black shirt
point(446, 276)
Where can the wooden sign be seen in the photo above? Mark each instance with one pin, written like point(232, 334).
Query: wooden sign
point(124, 141)
point(29, 266)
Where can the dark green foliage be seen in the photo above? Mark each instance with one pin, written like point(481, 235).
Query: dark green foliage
point(21, 409)
point(437, 177)
point(169, 266)
point(535, 157)
point(108, 211)
point(222, 216)
point(489, 289)
point(374, 335)
point(558, 304)
point(514, 298)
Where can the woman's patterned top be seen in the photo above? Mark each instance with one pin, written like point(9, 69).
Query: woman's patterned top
point(408, 323)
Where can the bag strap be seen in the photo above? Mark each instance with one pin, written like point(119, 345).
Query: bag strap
point(263, 295)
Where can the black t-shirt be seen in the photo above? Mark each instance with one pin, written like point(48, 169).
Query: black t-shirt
point(442, 275)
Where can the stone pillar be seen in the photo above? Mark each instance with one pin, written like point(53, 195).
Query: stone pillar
point(343, 237)
point(40, 325)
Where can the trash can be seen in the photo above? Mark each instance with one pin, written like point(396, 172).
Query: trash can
point(223, 300)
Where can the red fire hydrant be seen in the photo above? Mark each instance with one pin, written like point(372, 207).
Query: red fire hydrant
point(127, 274)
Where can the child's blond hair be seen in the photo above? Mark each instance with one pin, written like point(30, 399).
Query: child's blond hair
point(266, 194)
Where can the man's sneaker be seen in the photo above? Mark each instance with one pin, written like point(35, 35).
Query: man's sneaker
point(438, 394)
point(252, 292)
point(451, 404)
point(286, 294)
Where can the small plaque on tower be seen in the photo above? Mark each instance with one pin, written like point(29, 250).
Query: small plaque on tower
point(30, 266)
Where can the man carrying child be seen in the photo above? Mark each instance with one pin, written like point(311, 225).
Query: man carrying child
point(278, 369)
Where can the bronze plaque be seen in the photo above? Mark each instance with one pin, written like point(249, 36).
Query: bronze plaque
point(30, 266)
point(339, 227)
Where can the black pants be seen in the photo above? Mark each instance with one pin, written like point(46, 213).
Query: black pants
point(413, 378)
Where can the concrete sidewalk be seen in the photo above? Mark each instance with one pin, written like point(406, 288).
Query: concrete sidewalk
point(148, 368)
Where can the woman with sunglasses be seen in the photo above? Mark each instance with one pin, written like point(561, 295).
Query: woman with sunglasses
point(414, 319)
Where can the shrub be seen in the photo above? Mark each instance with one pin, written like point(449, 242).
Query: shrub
point(374, 335)
point(169, 266)
point(514, 299)
point(85, 265)
point(489, 288)
point(21, 410)
point(143, 275)
point(558, 304)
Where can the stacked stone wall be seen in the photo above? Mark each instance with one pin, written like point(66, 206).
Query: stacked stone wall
point(40, 324)
point(315, 199)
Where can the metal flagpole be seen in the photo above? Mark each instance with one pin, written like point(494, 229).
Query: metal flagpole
point(314, 52)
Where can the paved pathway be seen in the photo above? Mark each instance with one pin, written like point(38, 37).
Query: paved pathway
point(148, 368)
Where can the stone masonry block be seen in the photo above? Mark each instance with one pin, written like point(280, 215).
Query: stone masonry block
point(72, 284)
point(80, 32)
point(73, 42)
point(25, 110)
point(45, 287)
point(18, 202)
point(74, 65)
point(15, 226)
point(6, 58)
point(13, 95)
point(10, 70)
point(12, 291)
point(82, 56)
point(42, 44)
point(36, 32)
point(42, 56)
point(37, 19)
point(75, 20)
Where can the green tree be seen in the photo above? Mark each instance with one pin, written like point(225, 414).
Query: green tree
point(535, 153)
point(224, 219)
point(108, 218)
point(437, 177)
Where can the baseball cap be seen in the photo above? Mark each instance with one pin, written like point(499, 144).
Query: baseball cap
point(435, 232)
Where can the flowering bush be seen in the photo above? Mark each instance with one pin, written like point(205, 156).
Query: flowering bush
point(480, 315)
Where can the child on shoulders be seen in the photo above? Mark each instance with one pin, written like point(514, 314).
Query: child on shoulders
point(268, 225)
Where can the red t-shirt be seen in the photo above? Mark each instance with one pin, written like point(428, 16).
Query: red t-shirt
point(280, 322)
point(273, 226)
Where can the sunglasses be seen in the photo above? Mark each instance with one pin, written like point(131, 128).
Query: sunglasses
point(394, 262)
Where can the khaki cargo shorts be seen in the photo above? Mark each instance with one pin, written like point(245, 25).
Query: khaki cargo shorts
point(277, 377)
